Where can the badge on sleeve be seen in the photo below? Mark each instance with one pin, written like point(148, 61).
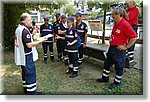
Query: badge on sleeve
point(28, 36)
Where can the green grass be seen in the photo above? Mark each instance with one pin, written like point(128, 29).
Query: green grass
point(51, 78)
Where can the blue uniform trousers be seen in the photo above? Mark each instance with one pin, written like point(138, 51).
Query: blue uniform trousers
point(73, 60)
point(61, 48)
point(130, 51)
point(29, 75)
point(81, 52)
point(45, 46)
point(118, 59)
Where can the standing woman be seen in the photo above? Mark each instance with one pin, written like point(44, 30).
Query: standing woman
point(72, 48)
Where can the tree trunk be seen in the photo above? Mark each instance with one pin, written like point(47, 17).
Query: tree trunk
point(103, 37)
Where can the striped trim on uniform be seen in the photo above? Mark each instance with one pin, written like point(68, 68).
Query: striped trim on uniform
point(31, 87)
point(69, 36)
point(46, 30)
point(75, 68)
point(51, 54)
point(72, 50)
point(81, 31)
point(48, 41)
point(80, 60)
point(106, 73)
point(45, 55)
point(118, 78)
point(28, 53)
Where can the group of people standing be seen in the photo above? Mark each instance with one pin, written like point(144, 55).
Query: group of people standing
point(71, 38)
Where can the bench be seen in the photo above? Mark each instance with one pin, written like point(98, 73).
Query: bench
point(95, 51)
point(99, 52)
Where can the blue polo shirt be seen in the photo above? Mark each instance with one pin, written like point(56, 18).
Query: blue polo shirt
point(81, 30)
point(62, 27)
point(45, 30)
point(70, 36)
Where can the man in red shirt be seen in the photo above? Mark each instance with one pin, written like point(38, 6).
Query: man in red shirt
point(131, 15)
point(122, 31)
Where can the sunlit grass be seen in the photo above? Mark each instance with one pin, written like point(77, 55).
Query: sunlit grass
point(51, 78)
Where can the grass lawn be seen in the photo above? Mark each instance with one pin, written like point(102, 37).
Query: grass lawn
point(51, 78)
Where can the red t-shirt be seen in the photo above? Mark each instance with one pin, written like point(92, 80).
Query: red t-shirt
point(133, 14)
point(121, 32)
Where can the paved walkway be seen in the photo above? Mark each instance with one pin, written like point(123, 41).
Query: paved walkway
point(138, 50)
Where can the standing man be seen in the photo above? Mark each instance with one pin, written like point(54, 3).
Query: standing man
point(47, 29)
point(55, 25)
point(61, 43)
point(131, 15)
point(121, 33)
point(26, 54)
point(82, 30)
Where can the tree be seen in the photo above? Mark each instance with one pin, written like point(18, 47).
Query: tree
point(12, 14)
point(11, 17)
point(105, 5)
point(69, 10)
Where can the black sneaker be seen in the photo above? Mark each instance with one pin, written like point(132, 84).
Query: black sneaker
point(114, 85)
point(66, 62)
point(69, 71)
point(73, 75)
point(79, 63)
point(101, 80)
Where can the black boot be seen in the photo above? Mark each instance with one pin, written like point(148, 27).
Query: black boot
point(73, 74)
point(114, 85)
point(69, 71)
point(52, 58)
point(45, 58)
point(59, 57)
point(102, 80)
point(66, 62)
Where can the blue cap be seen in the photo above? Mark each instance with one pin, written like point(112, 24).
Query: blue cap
point(70, 19)
point(58, 14)
point(78, 14)
point(63, 16)
point(46, 18)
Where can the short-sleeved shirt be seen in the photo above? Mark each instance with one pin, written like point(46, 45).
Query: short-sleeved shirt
point(45, 30)
point(133, 14)
point(70, 36)
point(81, 30)
point(62, 27)
point(121, 32)
point(26, 38)
point(55, 26)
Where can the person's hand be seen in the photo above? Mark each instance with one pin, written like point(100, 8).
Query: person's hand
point(34, 32)
point(84, 45)
point(42, 39)
point(122, 47)
point(68, 43)
point(57, 37)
